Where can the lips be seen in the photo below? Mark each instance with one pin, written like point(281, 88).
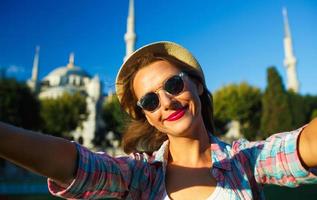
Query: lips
point(176, 115)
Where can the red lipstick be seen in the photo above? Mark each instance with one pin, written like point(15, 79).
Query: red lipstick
point(176, 115)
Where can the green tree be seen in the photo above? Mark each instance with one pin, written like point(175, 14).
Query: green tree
point(241, 102)
point(310, 107)
point(114, 117)
point(314, 114)
point(276, 115)
point(64, 114)
point(298, 109)
point(18, 105)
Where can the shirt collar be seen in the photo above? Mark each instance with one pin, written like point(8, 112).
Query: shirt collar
point(220, 155)
point(161, 155)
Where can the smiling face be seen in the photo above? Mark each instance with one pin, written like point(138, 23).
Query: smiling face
point(177, 115)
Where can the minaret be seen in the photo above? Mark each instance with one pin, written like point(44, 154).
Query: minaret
point(289, 60)
point(71, 60)
point(33, 82)
point(130, 35)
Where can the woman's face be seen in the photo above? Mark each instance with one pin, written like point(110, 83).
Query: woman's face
point(177, 115)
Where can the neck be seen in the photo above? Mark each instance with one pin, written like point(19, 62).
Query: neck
point(191, 151)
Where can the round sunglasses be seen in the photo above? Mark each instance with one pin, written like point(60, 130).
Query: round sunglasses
point(173, 86)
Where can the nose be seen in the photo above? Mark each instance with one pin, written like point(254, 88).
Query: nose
point(167, 101)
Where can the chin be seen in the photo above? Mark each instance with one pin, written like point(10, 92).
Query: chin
point(181, 128)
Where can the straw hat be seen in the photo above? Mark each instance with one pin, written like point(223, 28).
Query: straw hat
point(162, 48)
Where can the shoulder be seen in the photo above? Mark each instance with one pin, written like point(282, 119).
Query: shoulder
point(278, 139)
point(284, 143)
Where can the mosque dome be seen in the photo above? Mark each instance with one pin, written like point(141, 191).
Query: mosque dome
point(67, 71)
point(67, 75)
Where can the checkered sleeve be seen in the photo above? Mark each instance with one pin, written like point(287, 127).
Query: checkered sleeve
point(98, 176)
point(276, 160)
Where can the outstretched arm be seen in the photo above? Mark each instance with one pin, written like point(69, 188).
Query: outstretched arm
point(46, 155)
point(308, 144)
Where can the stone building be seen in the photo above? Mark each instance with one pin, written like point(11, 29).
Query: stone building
point(72, 79)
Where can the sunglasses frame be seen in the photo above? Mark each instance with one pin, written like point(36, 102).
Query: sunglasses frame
point(181, 75)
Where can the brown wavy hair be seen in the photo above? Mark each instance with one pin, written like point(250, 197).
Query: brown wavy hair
point(139, 135)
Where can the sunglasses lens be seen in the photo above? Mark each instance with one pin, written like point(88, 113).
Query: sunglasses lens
point(174, 85)
point(150, 101)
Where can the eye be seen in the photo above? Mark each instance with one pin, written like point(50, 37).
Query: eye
point(149, 101)
point(174, 85)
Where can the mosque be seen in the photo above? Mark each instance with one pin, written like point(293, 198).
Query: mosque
point(72, 79)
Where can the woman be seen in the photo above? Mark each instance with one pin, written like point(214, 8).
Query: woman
point(173, 153)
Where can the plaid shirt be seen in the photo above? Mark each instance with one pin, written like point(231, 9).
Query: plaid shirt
point(240, 169)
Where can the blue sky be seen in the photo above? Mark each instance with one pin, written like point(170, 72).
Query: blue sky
point(233, 40)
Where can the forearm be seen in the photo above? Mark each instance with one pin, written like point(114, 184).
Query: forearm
point(47, 155)
point(308, 144)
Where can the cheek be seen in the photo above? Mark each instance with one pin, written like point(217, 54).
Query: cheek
point(149, 120)
point(197, 104)
point(195, 101)
point(155, 123)
point(152, 119)
point(195, 93)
